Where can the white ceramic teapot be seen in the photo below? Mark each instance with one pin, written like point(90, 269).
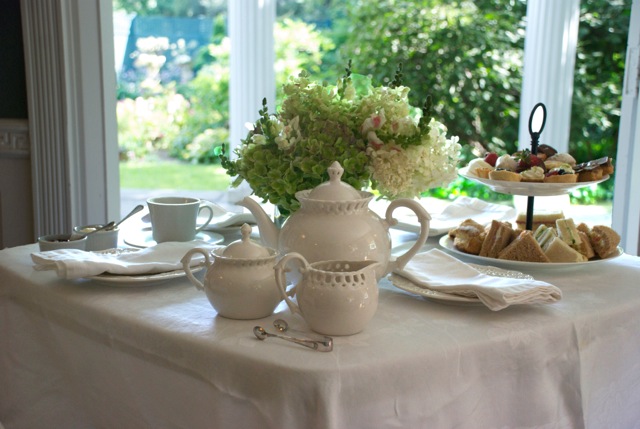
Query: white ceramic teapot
point(240, 281)
point(334, 297)
point(334, 222)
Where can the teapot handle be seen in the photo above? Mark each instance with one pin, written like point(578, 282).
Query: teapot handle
point(281, 279)
point(423, 217)
point(186, 264)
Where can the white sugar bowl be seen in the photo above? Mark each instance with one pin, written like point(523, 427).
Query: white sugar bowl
point(240, 279)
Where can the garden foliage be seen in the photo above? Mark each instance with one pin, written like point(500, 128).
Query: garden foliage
point(467, 55)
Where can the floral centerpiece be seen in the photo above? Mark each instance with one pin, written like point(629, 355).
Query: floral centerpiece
point(381, 141)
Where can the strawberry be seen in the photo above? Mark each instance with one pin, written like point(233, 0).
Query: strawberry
point(526, 160)
point(491, 158)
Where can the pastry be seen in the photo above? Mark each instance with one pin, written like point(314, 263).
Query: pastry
point(550, 165)
point(483, 172)
point(563, 157)
point(498, 237)
point(590, 174)
point(560, 176)
point(607, 167)
point(476, 164)
point(559, 172)
point(505, 175)
point(524, 248)
point(545, 151)
point(534, 174)
point(604, 240)
point(507, 162)
point(605, 163)
point(559, 251)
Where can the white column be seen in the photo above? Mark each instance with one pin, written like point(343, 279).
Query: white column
point(252, 73)
point(626, 204)
point(549, 60)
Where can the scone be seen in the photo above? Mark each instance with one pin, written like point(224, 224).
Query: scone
point(468, 237)
point(604, 240)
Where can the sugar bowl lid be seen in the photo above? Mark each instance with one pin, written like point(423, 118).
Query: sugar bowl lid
point(245, 248)
point(335, 189)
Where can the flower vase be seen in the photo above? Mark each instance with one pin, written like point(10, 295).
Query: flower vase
point(279, 216)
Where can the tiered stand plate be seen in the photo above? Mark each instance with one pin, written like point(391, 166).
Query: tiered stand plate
point(530, 189)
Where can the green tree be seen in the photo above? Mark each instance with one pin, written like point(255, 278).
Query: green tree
point(466, 55)
point(598, 80)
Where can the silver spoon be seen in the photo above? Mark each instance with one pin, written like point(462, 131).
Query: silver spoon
point(77, 236)
point(135, 210)
point(321, 346)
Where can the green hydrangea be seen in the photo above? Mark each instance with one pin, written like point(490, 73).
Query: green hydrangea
point(379, 138)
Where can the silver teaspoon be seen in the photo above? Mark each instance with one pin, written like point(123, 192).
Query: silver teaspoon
point(319, 345)
point(135, 210)
point(78, 236)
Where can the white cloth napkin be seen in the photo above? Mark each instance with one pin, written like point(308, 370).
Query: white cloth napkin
point(438, 271)
point(161, 258)
point(456, 212)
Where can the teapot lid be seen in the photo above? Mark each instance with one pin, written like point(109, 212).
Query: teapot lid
point(245, 248)
point(335, 189)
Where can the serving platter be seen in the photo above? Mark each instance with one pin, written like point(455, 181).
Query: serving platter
point(531, 189)
point(447, 243)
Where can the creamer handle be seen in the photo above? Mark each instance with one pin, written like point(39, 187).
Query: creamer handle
point(281, 279)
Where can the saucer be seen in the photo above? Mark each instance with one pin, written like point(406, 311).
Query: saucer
point(144, 238)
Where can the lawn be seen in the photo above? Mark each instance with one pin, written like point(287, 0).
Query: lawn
point(172, 175)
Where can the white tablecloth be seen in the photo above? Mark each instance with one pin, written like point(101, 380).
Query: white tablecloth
point(77, 354)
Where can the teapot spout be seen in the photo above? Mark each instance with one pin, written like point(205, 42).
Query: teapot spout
point(269, 232)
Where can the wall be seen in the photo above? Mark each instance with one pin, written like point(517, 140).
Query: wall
point(16, 205)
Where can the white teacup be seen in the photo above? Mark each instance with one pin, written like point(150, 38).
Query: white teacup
point(174, 218)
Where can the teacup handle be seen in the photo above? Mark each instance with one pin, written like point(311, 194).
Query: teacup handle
point(281, 279)
point(198, 229)
point(423, 217)
point(186, 264)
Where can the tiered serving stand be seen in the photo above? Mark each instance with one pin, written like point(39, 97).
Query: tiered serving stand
point(531, 190)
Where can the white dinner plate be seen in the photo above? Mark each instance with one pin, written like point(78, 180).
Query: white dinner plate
point(454, 214)
point(139, 280)
point(531, 189)
point(447, 243)
point(144, 238)
point(408, 286)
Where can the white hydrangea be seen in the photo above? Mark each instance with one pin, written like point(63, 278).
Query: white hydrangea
point(408, 172)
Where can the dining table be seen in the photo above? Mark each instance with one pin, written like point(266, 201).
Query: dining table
point(89, 354)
